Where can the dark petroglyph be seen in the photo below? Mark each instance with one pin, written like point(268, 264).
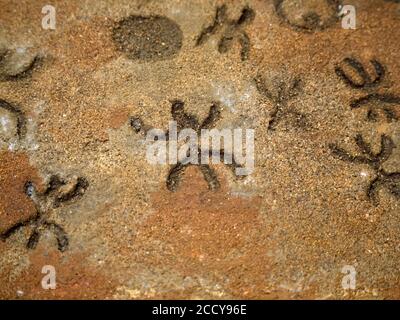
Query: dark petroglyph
point(365, 80)
point(281, 95)
point(230, 30)
point(183, 119)
point(58, 191)
point(148, 38)
point(376, 103)
point(188, 121)
point(176, 172)
point(308, 15)
point(382, 179)
point(209, 174)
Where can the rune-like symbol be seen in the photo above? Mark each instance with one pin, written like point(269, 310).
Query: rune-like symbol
point(57, 191)
point(280, 98)
point(231, 30)
point(185, 120)
point(383, 179)
point(361, 80)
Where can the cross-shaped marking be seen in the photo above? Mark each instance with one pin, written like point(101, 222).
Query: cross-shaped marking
point(382, 101)
point(383, 179)
point(280, 97)
point(188, 121)
point(57, 191)
point(233, 30)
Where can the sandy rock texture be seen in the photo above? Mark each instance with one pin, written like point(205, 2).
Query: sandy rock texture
point(76, 190)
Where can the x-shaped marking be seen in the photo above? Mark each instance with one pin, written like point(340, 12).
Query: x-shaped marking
point(280, 98)
point(188, 121)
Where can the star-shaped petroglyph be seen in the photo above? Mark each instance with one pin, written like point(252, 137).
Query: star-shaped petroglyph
point(188, 121)
point(280, 96)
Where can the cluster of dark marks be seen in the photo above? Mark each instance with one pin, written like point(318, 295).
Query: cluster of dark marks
point(366, 80)
point(280, 97)
point(57, 192)
point(188, 121)
point(375, 102)
point(232, 30)
point(383, 100)
point(137, 124)
point(314, 19)
point(21, 122)
point(148, 38)
point(15, 66)
point(383, 179)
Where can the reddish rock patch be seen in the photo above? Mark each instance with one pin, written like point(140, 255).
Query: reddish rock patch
point(15, 206)
point(75, 278)
point(118, 117)
point(200, 233)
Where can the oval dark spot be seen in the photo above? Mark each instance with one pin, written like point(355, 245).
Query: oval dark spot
point(148, 38)
point(308, 15)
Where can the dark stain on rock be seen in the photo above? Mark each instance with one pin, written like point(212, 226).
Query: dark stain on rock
point(148, 38)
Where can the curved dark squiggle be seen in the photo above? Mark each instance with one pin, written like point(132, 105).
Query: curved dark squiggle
point(40, 221)
point(21, 122)
point(367, 82)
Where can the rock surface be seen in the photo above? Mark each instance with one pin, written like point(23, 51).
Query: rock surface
point(320, 200)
